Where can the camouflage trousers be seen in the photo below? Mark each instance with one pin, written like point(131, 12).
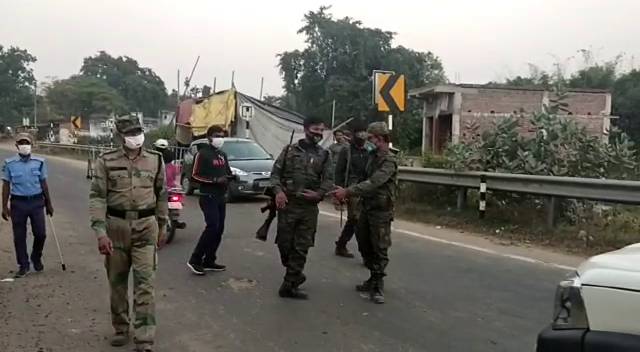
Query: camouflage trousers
point(349, 229)
point(373, 234)
point(134, 247)
point(297, 226)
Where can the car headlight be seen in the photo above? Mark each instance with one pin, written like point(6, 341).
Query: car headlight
point(569, 310)
point(238, 172)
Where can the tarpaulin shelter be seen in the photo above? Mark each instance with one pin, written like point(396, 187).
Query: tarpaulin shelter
point(270, 126)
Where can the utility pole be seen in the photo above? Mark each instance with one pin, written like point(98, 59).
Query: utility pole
point(333, 114)
point(233, 77)
point(261, 87)
point(35, 106)
point(215, 79)
point(178, 91)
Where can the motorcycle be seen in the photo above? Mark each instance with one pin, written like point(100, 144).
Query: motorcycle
point(176, 201)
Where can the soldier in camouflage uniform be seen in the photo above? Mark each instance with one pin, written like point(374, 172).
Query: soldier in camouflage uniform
point(128, 208)
point(377, 195)
point(299, 186)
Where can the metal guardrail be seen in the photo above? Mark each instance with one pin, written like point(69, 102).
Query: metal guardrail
point(614, 191)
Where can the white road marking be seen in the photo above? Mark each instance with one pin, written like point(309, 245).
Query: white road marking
point(468, 246)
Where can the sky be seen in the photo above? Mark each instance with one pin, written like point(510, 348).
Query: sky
point(477, 41)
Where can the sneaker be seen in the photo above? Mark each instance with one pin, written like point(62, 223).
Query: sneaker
point(143, 348)
point(343, 251)
point(214, 267)
point(21, 273)
point(120, 339)
point(196, 268)
point(38, 266)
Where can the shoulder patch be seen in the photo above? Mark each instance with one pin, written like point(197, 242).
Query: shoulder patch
point(153, 152)
point(109, 154)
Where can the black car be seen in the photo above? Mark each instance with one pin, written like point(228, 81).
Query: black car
point(247, 159)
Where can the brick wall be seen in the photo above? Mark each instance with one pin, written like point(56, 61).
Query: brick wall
point(502, 101)
point(473, 125)
point(585, 103)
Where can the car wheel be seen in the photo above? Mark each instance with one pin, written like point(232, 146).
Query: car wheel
point(186, 185)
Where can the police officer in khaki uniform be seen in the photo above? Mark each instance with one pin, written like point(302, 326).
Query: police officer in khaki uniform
point(128, 208)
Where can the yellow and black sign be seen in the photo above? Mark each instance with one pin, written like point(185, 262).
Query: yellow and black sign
point(76, 121)
point(391, 93)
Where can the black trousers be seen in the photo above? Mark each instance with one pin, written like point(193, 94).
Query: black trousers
point(21, 211)
point(214, 210)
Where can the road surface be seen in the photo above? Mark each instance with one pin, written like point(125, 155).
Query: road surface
point(440, 297)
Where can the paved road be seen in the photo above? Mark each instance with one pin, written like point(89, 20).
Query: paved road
point(440, 297)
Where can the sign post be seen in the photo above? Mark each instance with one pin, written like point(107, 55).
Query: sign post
point(389, 94)
point(247, 112)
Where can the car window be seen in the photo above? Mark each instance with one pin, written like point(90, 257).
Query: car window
point(244, 150)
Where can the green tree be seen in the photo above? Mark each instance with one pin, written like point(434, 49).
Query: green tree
point(140, 87)
point(84, 96)
point(337, 63)
point(17, 84)
point(626, 103)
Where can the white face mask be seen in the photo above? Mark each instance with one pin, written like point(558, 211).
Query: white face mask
point(217, 142)
point(24, 149)
point(134, 142)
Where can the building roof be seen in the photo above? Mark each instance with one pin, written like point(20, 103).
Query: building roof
point(452, 88)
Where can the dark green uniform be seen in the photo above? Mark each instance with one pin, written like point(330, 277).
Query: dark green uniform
point(377, 194)
point(308, 167)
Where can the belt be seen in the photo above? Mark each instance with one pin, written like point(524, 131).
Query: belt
point(35, 196)
point(131, 214)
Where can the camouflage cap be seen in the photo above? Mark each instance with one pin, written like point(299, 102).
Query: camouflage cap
point(24, 137)
point(127, 123)
point(378, 129)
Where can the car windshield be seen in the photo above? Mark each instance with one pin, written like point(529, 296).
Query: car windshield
point(244, 150)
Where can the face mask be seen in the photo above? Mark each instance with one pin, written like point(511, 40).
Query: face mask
point(134, 142)
point(24, 149)
point(370, 146)
point(314, 138)
point(217, 142)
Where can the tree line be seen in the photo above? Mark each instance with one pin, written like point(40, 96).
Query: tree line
point(335, 65)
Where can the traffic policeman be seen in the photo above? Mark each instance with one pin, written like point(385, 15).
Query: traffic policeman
point(25, 195)
point(128, 209)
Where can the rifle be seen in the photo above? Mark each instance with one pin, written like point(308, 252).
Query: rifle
point(346, 179)
point(263, 231)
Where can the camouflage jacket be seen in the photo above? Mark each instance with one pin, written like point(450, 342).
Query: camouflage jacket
point(378, 191)
point(308, 167)
point(127, 184)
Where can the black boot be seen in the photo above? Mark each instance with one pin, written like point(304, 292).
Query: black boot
point(377, 291)
point(288, 290)
point(343, 251)
point(366, 286)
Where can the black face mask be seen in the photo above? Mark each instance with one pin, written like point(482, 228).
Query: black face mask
point(314, 138)
point(359, 141)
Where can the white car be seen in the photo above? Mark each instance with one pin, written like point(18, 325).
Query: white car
point(598, 308)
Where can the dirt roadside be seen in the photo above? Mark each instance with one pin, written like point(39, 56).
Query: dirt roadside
point(55, 310)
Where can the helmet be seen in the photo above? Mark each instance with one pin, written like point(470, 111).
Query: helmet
point(161, 143)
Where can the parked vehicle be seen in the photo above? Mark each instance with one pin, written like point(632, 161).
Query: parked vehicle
point(247, 159)
point(176, 202)
point(597, 308)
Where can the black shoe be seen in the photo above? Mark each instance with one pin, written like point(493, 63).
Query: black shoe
point(366, 286)
point(288, 291)
point(196, 268)
point(377, 296)
point(21, 273)
point(214, 267)
point(343, 251)
point(181, 225)
point(38, 266)
point(120, 339)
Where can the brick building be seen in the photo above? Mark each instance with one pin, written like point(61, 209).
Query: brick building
point(454, 113)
